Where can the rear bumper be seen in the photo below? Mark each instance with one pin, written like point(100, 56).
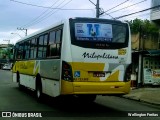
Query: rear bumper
point(99, 88)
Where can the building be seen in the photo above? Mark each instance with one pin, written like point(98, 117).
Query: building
point(145, 60)
point(155, 13)
point(146, 50)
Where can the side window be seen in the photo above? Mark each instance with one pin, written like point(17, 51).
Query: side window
point(54, 45)
point(58, 41)
point(45, 45)
point(58, 36)
point(52, 37)
point(40, 47)
point(53, 50)
point(51, 44)
point(27, 49)
point(17, 55)
point(33, 49)
point(20, 51)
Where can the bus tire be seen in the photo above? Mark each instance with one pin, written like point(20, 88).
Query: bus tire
point(38, 88)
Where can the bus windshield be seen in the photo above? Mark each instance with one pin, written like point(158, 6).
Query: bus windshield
point(99, 33)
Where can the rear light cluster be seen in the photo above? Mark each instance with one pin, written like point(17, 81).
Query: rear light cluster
point(66, 71)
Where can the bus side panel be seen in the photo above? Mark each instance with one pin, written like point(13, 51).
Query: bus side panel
point(14, 77)
point(28, 81)
point(49, 71)
point(50, 87)
point(50, 76)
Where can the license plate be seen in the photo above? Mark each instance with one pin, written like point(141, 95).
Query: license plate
point(99, 74)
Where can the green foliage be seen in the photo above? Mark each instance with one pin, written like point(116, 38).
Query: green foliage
point(135, 25)
point(3, 53)
point(6, 53)
point(145, 26)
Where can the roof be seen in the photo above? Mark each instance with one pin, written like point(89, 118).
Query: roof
point(3, 45)
point(151, 52)
point(147, 52)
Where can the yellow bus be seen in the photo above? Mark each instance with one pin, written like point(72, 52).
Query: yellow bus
point(84, 57)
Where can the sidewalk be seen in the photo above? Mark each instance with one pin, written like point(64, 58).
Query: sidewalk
point(149, 95)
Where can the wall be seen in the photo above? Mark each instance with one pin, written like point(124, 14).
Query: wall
point(147, 42)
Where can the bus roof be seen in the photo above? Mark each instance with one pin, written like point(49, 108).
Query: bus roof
point(62, 22)
point(102, 19)
point(41, 31)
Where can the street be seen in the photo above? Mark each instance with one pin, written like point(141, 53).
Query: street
point(13, 99)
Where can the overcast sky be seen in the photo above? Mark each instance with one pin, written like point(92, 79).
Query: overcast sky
point(34, 15)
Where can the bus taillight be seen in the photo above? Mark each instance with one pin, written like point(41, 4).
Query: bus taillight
point(66, 71)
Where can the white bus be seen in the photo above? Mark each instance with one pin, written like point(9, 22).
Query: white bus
point(84, 57)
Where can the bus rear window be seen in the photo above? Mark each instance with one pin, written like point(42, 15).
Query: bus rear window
point(97, 33)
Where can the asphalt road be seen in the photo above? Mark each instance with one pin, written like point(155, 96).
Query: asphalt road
point(12, 99)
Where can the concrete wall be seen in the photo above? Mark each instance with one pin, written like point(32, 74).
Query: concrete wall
point(135, 41)
point(147, 43)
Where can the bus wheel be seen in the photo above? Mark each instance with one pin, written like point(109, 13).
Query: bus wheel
point(38, 89)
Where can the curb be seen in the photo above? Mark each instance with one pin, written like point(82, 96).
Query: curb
point(140, 100)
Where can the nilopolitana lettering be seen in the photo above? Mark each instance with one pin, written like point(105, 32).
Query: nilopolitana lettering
point(98, 56)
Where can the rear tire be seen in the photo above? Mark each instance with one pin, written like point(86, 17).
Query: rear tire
point(39, 95)
point(38, 92)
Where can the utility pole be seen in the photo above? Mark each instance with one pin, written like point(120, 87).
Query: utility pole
point(23, 29)
point(140, 57)
point(97, 8)
point(140, 37)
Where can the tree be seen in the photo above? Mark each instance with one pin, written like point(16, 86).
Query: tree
point(135, 25)
point(147, 27)
point(7, 52)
